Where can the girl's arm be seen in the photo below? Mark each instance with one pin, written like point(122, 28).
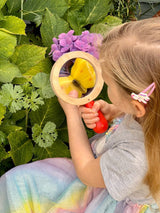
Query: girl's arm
point(86, 166)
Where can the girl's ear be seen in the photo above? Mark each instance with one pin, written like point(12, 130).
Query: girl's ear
point(139, 108)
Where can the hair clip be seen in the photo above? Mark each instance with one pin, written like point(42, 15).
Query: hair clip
point(143, 96)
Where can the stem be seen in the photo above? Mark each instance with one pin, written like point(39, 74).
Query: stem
point(22, 19)
point(25, 12)
point(22, 9)
point(27, 112)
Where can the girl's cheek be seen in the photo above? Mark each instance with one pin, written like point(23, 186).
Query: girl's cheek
point(114, 98)
point(110, 95)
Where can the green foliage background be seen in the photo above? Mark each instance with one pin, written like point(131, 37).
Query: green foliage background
point(32, 123)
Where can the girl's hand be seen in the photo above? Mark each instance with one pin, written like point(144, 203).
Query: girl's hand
point(69, 108)
point(90, 116)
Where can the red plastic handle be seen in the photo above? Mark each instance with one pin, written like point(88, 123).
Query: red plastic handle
point(102, 124)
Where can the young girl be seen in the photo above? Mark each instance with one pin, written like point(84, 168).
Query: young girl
point(120, 171)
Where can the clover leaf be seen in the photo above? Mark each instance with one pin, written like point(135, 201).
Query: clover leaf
point(12, 97)
point(44, 137)
point(32, 101)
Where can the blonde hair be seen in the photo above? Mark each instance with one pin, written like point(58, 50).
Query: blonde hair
point(131, 54)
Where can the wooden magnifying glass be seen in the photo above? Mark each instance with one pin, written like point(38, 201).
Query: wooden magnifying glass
point(55, 72)
point(87, 99)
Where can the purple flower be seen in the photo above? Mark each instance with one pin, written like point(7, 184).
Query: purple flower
point(57, 54)
point(81, 45)
point(67, 42)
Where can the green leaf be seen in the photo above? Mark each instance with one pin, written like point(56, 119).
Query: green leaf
point(2, 3)
point(52, 26)
point(12, 97)
point(34, 8)
point(63, 134)
point(112, 21)
point(92, 12)
point(76, 20)
point(50, 111)
point(38, 20)
point(13, 6)
point(27, 56)
point(58, 149)
point(104, 95)
point(7, 128)
point(42, 81)
point(106, 25)
point(96, 10)
point(31, 38)
point(21, 147)
point(19, 115)
point(2, 138)
point(12, 25)
point(148, 9)
point(32, 101)
point(44, 66)
point(8, 71)
point(7, 44)
point(6, 165)
point(19, 80)
point(44, 137)
point(100, 28)
point(149, 1)
point(90, 132)
point(75, 4)
point(3, 153)
point(1, 14)
point(2, 112)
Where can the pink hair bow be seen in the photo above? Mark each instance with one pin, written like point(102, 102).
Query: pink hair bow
point(143, 96)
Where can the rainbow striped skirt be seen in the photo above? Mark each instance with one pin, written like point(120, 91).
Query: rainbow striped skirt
point(51, 186)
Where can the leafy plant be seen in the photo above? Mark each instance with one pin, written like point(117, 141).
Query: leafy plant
point(148, 9)
point(32, 123)
point(125, 9)
point(44, 137)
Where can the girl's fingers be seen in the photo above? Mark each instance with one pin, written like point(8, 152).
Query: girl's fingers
point(83, 109)
point(91, 126)
point(91, 121)
point(89, 115)
point(96, 106)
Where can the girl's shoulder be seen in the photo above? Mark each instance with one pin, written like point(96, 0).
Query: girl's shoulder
point(128, 131)
point(124, 133)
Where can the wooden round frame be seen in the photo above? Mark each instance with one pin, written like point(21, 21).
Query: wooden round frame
point(54, 77)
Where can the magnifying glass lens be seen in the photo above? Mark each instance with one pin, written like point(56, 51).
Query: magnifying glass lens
point(79, 76)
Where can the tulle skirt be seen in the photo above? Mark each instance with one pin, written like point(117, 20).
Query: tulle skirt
point(51, 186)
